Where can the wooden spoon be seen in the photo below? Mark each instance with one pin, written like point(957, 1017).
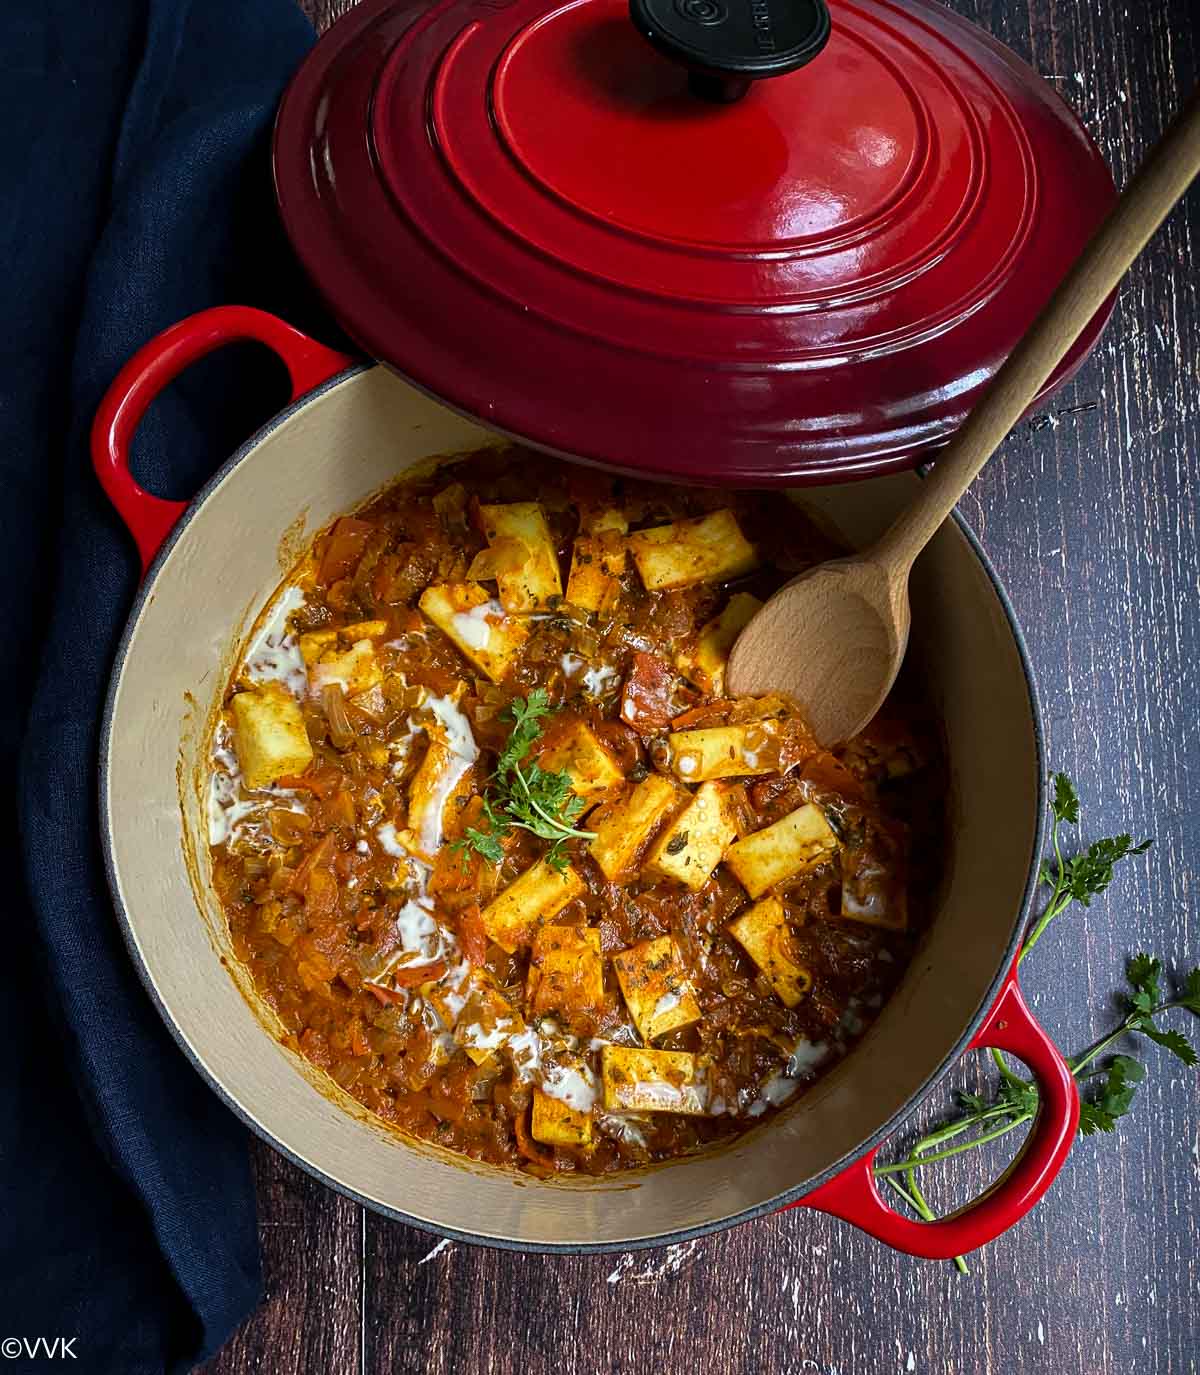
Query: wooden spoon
point(834, 637)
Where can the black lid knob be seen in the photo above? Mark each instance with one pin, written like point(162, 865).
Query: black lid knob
point(727, 44)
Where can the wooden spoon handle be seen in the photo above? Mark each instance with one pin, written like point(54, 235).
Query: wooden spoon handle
point(1159, 183)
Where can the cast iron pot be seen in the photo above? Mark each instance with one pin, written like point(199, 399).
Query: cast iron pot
point(212, 565)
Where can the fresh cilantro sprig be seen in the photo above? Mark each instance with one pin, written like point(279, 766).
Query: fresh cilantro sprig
point(1083, 876)
point(1107, 1085)
point(525, 795)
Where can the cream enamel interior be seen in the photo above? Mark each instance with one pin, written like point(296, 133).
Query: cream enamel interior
point(325, 458)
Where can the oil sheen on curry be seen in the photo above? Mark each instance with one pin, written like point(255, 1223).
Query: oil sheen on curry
point(507, 862)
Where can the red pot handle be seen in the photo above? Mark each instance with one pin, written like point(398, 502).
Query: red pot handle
point(150, 519)
point(854, 1195)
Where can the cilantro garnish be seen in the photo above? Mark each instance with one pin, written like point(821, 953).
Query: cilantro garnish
point(1107, 1085)
point(525, 795)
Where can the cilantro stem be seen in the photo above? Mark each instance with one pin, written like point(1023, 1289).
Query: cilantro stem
point(918, 1201)
point(1002, 1066)
point(1128, 1027)
point(1057, 903)
point(555, 823)
point(950, 1151)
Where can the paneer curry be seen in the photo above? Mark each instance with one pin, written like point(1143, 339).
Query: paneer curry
point(506, 861)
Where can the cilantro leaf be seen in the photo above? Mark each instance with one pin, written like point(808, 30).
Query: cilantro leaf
point(1112, 1101)
point(973, 1102)
point(1090, 873)
point(1066, 800)
point(556, 856)
point(526, 714)
point(1142, 974)
point(1174, 1041)
point(1093, 1118)
point(1128, 1067)
point(1018, 1095)
point(484, 843)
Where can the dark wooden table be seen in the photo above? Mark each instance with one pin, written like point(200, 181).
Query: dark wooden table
point(1089, 513)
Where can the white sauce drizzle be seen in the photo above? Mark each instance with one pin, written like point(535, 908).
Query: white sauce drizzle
point(388, 841)
point(805, 1057)
point(667, 1003)
point(850, 1022)
point(526, 1051)
point(599, 678)
point(780, 1088)
point(473, 627)
point(576, 1087)
point(624, 1126)
point(274, 655)
point(419, 933)
point(229, 812)
point(478, 1039)
point(454, 984)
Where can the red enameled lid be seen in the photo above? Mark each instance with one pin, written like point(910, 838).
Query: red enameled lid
point(531, 211)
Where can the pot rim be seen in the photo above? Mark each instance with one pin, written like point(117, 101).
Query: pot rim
point(788, 1197)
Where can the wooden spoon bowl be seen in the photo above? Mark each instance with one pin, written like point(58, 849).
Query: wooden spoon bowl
point(843, 625)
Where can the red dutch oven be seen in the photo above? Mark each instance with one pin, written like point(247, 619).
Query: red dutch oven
point(753, 244)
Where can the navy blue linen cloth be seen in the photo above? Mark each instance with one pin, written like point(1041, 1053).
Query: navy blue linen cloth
point(134, 189)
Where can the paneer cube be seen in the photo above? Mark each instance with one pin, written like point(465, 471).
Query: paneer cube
point(597, 563)
point(692, 845)
point(796, 843)
point(725, 751)
point(314, 643)
point(355, 670)
point(566, 971)
point(657, 990)
point(576, 749)
point(555, 1123)
point(529, 586)
point(477, 625)
point(540, 893)
point(441, 775)
point(710, 548)
point(269, 735)
point(762, 931)
point(625, 827)
point(705, 665)
point(363, 630)
point(637, 1080)
point(501, 557)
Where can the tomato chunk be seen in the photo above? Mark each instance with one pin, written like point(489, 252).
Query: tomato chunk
point(646, 696)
